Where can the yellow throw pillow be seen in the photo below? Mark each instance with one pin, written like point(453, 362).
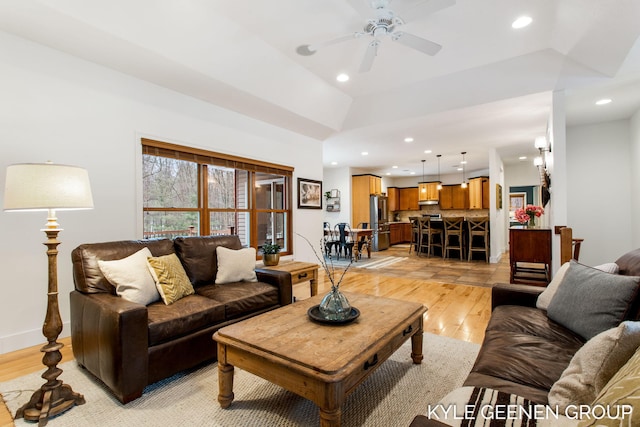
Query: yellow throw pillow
point(171, 279)
point(618, 396)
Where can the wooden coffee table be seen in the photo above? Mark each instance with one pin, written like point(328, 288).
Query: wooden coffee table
point(322, 363)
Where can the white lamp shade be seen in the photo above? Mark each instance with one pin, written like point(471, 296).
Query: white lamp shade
point(541, 142)
point(44, 186)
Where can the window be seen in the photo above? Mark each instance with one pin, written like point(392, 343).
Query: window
point(191, 192)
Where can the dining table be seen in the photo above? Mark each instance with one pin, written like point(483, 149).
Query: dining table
point(365, 234)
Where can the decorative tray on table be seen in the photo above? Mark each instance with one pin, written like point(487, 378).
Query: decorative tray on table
point(314, 314)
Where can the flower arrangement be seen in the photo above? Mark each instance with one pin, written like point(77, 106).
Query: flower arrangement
point(528, 214)
point(327, 263)
point(334, 306)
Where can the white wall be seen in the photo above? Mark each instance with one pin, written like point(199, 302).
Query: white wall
point(340, 179)
point(634, 158)
point(599, 190)
point(499, 218)
point(59, 108)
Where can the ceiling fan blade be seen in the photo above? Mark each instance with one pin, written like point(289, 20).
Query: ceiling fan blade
point(310, 49)
point(417, 43)
point(363, 7)
point(369, 56)
point(420, 9)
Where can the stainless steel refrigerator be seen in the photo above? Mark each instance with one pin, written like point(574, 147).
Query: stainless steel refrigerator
point(379, 221)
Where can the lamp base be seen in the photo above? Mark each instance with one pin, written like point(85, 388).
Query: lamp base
point(49, 401)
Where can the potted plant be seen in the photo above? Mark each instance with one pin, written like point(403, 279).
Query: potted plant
point(271, 254)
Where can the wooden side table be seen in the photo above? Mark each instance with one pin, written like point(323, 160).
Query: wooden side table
point(300, 272)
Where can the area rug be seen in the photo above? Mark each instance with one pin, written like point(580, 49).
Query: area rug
point(364, 262)
point(392, 396)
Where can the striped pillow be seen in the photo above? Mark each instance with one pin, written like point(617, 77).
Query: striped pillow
point(622, 391)
point(170, 278)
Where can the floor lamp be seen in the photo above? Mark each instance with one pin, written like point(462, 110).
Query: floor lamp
point(49, 187)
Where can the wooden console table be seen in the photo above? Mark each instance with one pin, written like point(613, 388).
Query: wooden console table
point(530, 255)
point(300, 272)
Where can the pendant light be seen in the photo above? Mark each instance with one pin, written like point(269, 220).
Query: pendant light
point(424, 188)
point(439, 180)
point(464, 162)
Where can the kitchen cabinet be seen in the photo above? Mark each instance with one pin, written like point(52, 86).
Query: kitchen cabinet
point(363, 186)
point(479, 193)
point(428, 191)
point(409, 199)
point(400, 232)
point(394, 200)
point(454, 197)
point(406, 231)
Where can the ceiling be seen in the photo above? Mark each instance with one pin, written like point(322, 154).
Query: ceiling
point(490, 86)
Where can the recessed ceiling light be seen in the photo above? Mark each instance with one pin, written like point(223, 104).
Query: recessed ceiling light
point(342, 77)
point(365, 153)
point(388, 173)
point(427, 151)
point(334, 163)
point(408, 139)
point(521, 22)
point(604, 101)
point(522, 158)
point(412, 173)
point(394, 167)
point(459, 169)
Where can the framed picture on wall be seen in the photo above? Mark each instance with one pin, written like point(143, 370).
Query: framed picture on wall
point(309, 194)
point(517, 201)
point(498, 196)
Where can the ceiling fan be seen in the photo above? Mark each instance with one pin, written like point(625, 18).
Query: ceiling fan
point(385, 23)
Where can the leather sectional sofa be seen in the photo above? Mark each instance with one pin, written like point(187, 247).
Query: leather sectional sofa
point(129, 345)
point(524, 352)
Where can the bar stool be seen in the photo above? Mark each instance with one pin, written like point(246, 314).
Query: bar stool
point(453, 229)
point(479, 228)
point(415, 233)
point(427, 234)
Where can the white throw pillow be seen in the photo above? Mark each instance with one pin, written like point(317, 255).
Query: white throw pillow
point(236, 265)
point(594, 365)
point(131, 277)
point(545, 297)
point(609, 267)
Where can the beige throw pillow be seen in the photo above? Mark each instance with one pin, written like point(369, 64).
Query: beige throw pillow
point(236, 265)
point(131, 277)
point(594, 364)
point(170, 278)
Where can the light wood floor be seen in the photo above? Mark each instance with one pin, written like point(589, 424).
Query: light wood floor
point(460, 312)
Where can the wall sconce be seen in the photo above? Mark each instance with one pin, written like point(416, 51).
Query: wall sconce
point(544, 147)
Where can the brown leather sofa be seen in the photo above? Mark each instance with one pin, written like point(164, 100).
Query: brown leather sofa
point(128, 345)
point(524, 352)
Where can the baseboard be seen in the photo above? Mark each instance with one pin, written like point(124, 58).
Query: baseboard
point(28, 339)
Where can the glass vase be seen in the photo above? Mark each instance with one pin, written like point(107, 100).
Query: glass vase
point(532, 222)
point(335, 306)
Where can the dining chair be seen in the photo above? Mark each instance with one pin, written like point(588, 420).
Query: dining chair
point(344, 242)
point(328, 239)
